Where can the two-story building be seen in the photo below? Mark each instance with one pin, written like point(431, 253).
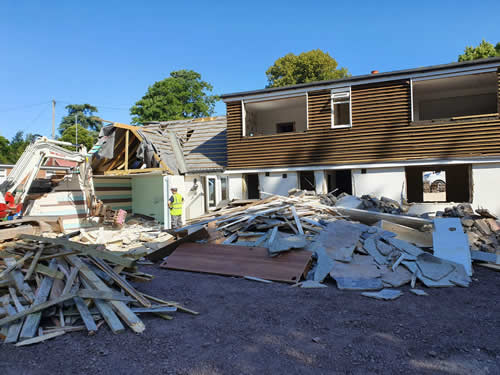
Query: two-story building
point(430, 135)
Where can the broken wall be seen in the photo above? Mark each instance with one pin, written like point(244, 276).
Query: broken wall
point(147, 196)
point(115, 192)
point(235, 182)
point(194, 198)
point(387, 182)
point(278, 182)
point(485, 181)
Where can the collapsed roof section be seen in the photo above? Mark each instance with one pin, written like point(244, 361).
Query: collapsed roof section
point(172, 147)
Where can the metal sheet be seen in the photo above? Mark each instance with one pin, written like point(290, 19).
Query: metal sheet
point(239, 261)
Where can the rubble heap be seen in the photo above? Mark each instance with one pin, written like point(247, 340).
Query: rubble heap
point(51, 286)
point(364, 244)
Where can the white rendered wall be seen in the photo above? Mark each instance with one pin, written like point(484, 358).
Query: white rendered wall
point(147, 196)
point(380, 182)
point(194, 197)
point(276, 184)
point(485, 193)
point(235, 182)
point(321, 182)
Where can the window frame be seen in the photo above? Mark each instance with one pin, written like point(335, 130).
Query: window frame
point(340, 93)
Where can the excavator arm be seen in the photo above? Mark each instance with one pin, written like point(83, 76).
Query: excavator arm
point(28, 165)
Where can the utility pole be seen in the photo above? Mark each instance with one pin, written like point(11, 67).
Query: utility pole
point(53, 119)
point(76, 130)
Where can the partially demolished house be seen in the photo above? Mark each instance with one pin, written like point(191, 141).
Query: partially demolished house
point(427, 135)
point(148, 161)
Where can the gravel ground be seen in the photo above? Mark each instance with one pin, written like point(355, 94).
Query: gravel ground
point(247, 327)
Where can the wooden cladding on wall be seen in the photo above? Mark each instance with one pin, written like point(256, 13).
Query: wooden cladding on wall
point(381, 131)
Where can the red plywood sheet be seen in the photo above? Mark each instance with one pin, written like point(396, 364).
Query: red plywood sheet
point(239, 261)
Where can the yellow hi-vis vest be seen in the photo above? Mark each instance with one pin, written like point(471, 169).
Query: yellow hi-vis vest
point(176, 205)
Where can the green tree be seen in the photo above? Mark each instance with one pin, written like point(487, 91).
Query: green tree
point(85, 137)
point(17, 145)
point(182, 95)
point(84, 113)
point(4, 150)
point(311, 66)
point(483, 50)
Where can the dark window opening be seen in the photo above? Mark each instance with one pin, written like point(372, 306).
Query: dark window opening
point(267, 174)
point(439, 184)
point(252, 182)
point(306, 180)
point(285, 127)
point(339, 182)
point(284, 175)
point(461, 96)
point(363, 171)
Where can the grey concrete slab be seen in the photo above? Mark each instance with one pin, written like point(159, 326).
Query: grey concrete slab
point(451, 243)
point(397, 278)
point(419, 292)
point(384, 294)
point(405, 246)
point(433, 267)
point(340, 238)
point(371, 248)
point(357, 276)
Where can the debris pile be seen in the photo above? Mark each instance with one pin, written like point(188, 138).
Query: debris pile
point(361, 249)
point(51, 286)
point(481, 226)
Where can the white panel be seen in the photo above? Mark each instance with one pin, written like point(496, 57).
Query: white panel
point(321, 183)
point(235, 186)
point(147, 196)
point(276, 184)
point(485, 187)
point(194, 202)
point(387, 182)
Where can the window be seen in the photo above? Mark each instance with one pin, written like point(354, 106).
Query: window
point(307, 181)
point(451, 183)
point(341, 108)
point(284, 175)
point(454, 97)
point(274, 116)
point(211, 192)
point(223, 188)
point(285, 127)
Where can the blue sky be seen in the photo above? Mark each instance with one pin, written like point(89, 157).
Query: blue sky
point(107, 53)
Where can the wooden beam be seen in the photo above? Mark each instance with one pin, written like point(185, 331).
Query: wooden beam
point(121, 308)
point(134, 171)
point(126, 148)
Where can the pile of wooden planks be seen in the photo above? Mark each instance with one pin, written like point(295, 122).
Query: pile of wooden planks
point(51, 286)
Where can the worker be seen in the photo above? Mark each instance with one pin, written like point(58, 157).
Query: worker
point(175, 204)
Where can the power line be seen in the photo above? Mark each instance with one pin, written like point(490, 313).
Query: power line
point(22, 107)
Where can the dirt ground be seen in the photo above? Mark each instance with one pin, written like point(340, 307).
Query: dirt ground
point(246, 327)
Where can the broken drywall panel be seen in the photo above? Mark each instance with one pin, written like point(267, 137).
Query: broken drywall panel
point(370, 246)
point(351, 276)
point(384, 294)
point(371, 217)
point(284, 242)
point(485, 257)
point(433, 267)
point(397, 278)
point(349, 201)
point(451, 243)
point(324, 264)
point(340, 238)
point(413, 268)
point(419, 292)
point(311, 284)
point(405, 246)
point(414, 236)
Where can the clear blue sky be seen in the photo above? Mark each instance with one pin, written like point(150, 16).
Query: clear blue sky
point(107, 53)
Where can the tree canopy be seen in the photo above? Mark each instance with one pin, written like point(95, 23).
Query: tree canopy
point(311, 66)
point(85, 137)
point(483, 50)
point(11, 150)
point(183, 95)
point(86, 117)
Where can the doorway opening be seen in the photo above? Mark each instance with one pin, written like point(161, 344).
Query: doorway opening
point(252, 182)
point(340, 181)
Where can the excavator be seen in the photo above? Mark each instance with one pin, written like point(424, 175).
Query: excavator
point(14, 190)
